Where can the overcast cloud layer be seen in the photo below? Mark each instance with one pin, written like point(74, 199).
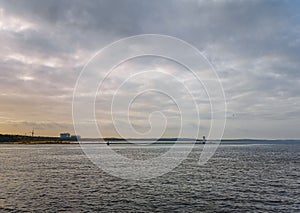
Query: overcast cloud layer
point(254, 46)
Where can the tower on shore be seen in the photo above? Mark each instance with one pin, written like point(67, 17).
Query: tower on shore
point(204, 139)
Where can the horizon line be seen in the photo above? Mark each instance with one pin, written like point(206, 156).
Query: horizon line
point(150, 138)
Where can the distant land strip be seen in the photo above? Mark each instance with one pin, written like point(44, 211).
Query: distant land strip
point(23, 139)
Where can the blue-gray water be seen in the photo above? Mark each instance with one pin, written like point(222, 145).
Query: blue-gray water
point(240, 177)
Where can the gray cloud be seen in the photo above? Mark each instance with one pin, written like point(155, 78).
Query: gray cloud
point(254, 46)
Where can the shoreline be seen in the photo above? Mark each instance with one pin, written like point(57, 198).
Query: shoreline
point(22, 139)
point(37, 142)
point(231, 142)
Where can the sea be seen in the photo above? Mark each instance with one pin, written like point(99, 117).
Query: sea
point(241, 176)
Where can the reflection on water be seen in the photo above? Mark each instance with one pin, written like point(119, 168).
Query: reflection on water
point(254, 177)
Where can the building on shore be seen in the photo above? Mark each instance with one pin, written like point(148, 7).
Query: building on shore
point(65, 135)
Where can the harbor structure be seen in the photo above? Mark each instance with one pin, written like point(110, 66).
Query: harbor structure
point(65, 135)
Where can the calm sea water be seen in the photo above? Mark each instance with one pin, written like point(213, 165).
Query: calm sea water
point(240, 177)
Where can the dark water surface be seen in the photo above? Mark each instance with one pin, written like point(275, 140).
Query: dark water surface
point(240, 177)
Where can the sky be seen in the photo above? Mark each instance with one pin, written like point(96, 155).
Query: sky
point(254, 47)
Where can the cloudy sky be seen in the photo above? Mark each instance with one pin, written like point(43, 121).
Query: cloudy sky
point(254, 47)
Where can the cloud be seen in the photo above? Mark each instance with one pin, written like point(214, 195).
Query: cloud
point(254, 46)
